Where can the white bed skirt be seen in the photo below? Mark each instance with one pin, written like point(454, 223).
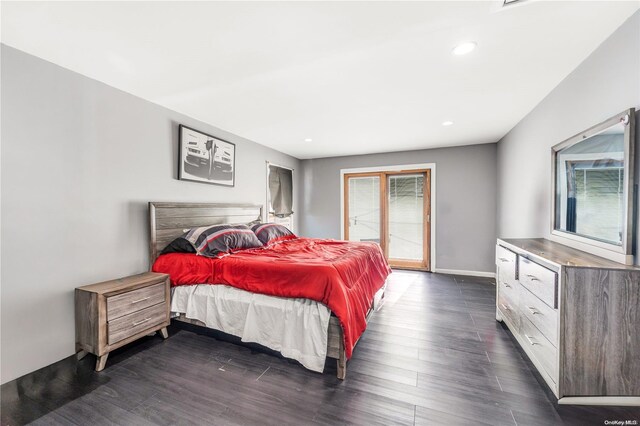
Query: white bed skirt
point(297, 328)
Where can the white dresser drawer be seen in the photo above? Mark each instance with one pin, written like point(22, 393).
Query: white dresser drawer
point(506, 261)
point(543, 317)
point(509, 290)
point(539, 280)
point(543, 351)
point(509, 309)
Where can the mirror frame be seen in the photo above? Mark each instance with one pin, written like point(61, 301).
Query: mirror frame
point(618, 253)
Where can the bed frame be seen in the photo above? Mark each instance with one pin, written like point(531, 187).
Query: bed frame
point(168, 221)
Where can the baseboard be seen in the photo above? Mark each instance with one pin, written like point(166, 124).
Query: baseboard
point(468, 273)
point(627, 401)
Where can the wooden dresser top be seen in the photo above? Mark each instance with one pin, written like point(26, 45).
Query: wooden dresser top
point(125, 284)
point(563, 255)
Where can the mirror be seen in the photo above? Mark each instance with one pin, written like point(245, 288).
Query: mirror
point(593, 187)
point(590, 182)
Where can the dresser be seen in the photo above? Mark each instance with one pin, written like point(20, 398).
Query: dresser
point(577, 317)
point(113, 313)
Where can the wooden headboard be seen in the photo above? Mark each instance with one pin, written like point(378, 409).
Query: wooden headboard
point(167, 221)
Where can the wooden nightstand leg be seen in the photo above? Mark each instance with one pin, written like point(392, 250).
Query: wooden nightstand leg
point(81, 354)
point(101, 362)
point(164, 333)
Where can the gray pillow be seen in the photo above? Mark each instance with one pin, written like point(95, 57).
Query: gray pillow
point(269, 233)
point(211, 241)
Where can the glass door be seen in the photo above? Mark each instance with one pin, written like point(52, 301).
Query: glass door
point(406, 207)
point(363, 209)
point(393, 210)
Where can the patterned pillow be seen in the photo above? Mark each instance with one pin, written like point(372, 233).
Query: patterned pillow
point(269, 233)
point(212, 241)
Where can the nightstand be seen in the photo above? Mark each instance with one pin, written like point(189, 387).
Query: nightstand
point(113, 313)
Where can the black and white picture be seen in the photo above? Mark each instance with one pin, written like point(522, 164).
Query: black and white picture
point(204, 158)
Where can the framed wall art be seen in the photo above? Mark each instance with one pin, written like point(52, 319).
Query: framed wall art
point(205, 158)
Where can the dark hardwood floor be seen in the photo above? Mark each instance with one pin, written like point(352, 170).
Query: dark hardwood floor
point(434, 354)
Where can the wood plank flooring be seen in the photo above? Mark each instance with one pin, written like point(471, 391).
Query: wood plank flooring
point(433, 355)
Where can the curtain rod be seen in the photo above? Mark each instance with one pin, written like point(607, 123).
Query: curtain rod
point(278, 165)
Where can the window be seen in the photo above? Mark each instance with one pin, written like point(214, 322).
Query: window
point(599, 194)
point(280, 195)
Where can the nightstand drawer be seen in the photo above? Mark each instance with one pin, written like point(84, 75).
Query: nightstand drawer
point(136, 300)
point(538, 280)
point(128, 325)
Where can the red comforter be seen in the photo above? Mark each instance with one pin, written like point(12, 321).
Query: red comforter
point(343, 275)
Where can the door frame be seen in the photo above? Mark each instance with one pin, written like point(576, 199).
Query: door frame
point(405, 168)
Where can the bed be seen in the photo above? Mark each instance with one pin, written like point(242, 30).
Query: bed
point(168, 221)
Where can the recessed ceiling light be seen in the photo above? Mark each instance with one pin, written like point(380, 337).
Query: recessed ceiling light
point(308, 140)
point(447, 123)
point(464, 48)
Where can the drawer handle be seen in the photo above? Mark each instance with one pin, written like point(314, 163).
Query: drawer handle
point(533, 342)
point(532, 277)
point(502, 259)
point(140, 300)
point(141, 322)
point(533, 310)
point(505, 307)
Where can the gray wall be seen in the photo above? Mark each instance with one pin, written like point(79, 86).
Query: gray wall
point(606, 83)
point(465, 200)
point(80, 161)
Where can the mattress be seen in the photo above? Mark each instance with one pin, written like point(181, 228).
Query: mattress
point(297, 328)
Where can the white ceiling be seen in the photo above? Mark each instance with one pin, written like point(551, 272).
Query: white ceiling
point(356, 77)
